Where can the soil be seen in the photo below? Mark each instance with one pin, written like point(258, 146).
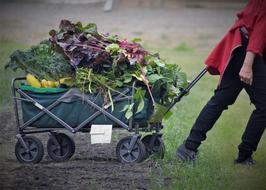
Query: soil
point(198, 25)
point(92, 166)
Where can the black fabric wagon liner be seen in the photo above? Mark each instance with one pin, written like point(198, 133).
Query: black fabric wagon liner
point(73, 110)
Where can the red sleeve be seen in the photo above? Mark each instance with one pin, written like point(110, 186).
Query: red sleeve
point(257, 40)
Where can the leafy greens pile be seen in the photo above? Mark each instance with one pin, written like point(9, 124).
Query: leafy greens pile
point(104, 63)
point(41, 61)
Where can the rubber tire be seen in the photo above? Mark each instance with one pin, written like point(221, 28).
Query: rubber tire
point(139, 144)
point(160, 151)
point(38, 146)
point(70, 147)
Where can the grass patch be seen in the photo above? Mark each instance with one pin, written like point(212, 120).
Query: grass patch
point(7, 47)
point(214, 168)
point(183, 47)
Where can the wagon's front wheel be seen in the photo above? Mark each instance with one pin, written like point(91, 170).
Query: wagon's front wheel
point(127, 155)
point(32, 151)
point(60, 147)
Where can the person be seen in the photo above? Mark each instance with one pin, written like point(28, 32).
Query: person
point(240, 60)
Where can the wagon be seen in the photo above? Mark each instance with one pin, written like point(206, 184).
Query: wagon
point(52, 110)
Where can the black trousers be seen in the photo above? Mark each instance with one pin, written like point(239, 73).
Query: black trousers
point(225, 95)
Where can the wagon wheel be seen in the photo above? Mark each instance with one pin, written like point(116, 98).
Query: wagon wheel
point(33, 154)
point(158, 148)
point(61, 150)
point(124, 154)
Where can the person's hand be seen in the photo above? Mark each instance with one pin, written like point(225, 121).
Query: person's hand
point(246, 72)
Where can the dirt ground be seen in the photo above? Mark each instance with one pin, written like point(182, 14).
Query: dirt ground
point(94, 166)
point(198, 25)
point(91, 167)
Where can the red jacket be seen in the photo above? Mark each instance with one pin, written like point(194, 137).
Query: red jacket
point(253, 17)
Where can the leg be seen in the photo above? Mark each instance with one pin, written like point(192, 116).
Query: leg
point(224, 95)
point(257, 121)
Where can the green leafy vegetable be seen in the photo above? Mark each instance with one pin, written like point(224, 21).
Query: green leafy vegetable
point(41, 61)
point(129, 111)
point(139, 99)
point(105, 64)
point(136, 40)
point(160, 112)
point(113, 49)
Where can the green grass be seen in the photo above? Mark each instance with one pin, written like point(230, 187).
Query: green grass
point(183, 47)
point(6, 48)
point(214, 168)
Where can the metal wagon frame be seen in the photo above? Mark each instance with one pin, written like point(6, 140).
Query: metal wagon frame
point(60, 146)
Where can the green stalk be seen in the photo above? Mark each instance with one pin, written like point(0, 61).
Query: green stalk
point(111, 99)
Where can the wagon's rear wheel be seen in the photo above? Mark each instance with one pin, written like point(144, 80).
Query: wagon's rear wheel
point(125, 155)
point(32, 154)
point(60, 147)
point(156, 148)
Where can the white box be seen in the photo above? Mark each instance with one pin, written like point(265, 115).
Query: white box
point(101, 134)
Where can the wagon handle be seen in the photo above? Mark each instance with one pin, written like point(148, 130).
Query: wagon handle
point(183, 92)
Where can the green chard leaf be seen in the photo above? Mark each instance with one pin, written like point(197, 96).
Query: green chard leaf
point(129, 112)
point(139, 99)
point(140, 106)
point(160, 113)
point(113, 48)
point(136, 40)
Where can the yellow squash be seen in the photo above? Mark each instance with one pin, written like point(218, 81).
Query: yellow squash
point(31, 80)
point(49, 84)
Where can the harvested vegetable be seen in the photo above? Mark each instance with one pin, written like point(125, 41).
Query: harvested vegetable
point(102, 63)
point(42, 62)
point(31, 80)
